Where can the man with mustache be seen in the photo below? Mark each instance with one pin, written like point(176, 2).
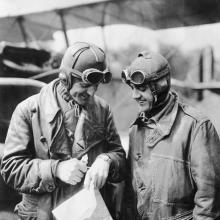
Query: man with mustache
point(174, 150)
point(63, 137)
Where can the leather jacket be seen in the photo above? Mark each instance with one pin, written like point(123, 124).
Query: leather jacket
point(37, 141)
point(174, 166)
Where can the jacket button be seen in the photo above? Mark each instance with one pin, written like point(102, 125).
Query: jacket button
point(137, 156)
point(42, 139)
point(33, 110)
point(51, 187)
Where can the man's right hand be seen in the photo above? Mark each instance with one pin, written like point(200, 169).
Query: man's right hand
point(71, 171)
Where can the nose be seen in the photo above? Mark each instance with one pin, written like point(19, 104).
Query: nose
point(91, 90)
point(135, 93)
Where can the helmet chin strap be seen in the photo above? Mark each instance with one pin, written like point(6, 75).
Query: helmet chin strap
point(154, 93)
point(156, 103)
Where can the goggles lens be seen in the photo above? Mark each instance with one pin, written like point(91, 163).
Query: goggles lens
point(92, 76)
point(137, 77)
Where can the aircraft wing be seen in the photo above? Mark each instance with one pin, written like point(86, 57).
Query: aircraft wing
point(23, 20)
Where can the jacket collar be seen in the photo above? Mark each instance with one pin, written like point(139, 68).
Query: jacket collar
point(167, 116)
point(48, 101)
point(164, 119)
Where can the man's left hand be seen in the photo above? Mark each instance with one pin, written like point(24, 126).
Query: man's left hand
point(97, 174)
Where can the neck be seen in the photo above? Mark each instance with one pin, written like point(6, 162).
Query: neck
point(158, 107)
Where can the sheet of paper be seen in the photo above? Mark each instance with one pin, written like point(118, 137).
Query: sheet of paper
point(87, 204)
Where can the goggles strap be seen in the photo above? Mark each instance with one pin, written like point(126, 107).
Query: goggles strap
point(160, 73)
point(76, 73)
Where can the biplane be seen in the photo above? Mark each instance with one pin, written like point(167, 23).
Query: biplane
point(24, 69)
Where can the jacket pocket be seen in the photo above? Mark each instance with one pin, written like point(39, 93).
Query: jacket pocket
point(27, 209)
point(172, 183)
point(185, 215)
point(143, 182)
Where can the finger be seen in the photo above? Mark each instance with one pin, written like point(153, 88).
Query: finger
point(76, 175)
point(91, 185)
point(84, 159)
point(97, 181)
point(72, 182)
point(87, 180)
point(76, 179)
point(102, 183)
point(79, 174)
point(83, 167)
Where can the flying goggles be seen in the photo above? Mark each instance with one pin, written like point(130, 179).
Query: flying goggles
point(139, 77)
point(92, 75)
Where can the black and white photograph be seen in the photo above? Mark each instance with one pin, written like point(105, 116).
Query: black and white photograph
point(110, 110)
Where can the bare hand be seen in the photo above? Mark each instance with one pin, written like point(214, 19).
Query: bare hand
point(71, 171)
point(97, 174)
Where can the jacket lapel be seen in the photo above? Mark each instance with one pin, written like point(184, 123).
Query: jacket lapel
point(164, 122)
point(52, 120)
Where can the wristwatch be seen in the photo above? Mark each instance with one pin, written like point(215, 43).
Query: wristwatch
point(105, 157)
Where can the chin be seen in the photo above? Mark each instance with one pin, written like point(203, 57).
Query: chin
point(144, 108)
point(81, 102)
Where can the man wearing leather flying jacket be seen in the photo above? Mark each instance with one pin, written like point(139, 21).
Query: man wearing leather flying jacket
point(174, 150)
point(50, 132)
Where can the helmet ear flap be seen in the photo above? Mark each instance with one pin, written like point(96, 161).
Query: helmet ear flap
point(66, 79)
point(160, 89)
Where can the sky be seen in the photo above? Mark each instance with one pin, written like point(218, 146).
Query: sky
point(117, 36)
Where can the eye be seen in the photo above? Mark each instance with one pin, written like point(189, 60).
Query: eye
point(85, 85)
point(142, 88)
